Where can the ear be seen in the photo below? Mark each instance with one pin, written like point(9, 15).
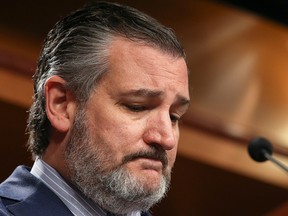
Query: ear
point(60, 104)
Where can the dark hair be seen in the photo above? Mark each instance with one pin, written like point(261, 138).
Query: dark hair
point(76, 49)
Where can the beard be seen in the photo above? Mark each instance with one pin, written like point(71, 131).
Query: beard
point(113, 187)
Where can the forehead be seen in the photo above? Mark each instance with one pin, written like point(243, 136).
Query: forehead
point(134, 65)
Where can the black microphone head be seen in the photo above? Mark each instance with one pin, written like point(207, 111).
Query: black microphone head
point(257, 147)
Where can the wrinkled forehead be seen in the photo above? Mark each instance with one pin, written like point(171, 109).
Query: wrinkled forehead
point(137, 66)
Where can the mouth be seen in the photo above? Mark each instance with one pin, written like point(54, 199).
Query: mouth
point(150, 164)
point(150, 159)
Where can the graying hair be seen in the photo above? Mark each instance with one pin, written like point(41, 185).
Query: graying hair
point(76, 49)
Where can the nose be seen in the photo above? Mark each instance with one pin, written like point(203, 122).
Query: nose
point(160, 131)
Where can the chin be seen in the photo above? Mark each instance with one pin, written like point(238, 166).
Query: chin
point(150, 180)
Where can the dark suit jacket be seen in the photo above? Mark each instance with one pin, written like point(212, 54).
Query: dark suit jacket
point(22, 194)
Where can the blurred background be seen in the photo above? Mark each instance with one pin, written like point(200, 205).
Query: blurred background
point(238, 58)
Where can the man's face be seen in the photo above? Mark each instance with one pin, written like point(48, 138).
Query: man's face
point(129, 131)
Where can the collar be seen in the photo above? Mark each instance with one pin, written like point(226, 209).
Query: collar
point(75, 201)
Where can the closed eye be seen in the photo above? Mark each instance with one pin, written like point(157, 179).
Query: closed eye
point(174, 118)
point(135, 108)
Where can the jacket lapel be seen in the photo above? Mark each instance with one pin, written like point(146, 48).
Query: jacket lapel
point(29, 196)
point(43, 202)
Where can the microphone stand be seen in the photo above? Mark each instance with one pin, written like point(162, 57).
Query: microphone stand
point(274, 160)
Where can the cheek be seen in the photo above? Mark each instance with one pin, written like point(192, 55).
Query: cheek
point(173, 152)
point(117, 135)
point(172, 156)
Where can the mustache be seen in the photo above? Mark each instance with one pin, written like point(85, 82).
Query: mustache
point(153, 153)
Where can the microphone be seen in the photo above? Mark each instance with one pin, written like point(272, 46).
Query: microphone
point(260, 150)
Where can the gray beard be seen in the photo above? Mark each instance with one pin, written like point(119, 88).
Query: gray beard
point(114, 189)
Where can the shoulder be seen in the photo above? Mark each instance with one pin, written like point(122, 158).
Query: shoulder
point(19, 184)
point(24, 194)
point(11, 190)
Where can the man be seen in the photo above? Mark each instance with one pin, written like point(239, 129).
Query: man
point(110, 87)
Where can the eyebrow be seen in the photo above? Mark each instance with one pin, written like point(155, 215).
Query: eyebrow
point(182, 101)
point(143, 93)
